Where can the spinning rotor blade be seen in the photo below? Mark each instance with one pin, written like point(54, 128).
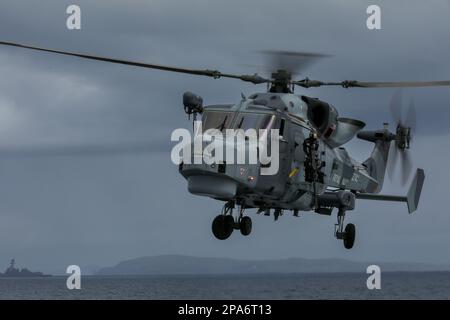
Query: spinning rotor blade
point(396, 108)
point(405, 163)
point(256, 79)
point(411, 118)
point(292, 62)
point(392, 160)
point(406, 166)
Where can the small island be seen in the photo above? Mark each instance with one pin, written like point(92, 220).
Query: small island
point(13, 272)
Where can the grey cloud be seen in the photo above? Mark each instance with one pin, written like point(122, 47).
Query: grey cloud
point(96, 210)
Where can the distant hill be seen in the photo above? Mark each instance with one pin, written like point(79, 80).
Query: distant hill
point(180, 264)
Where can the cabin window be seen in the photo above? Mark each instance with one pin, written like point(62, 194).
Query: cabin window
point(256, 121)
point(282, 123)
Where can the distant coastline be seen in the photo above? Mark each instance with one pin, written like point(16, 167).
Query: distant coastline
point(190, 265)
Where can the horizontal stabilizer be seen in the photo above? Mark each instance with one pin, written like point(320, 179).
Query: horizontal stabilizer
point(411, 199)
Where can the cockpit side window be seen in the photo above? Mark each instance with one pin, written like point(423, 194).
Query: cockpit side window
point(216, 120)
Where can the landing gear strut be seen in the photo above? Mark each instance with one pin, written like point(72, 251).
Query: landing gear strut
point(224, 224)
point(348, 236)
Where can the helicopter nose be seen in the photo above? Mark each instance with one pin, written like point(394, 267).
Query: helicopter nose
point(217, 178)
point(220, 187)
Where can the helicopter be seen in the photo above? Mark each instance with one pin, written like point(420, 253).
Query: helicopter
point(316, 173)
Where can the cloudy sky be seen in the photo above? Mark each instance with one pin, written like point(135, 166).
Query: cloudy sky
point(95, 210)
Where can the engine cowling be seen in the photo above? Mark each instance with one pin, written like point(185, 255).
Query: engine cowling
point(325, 118)
point(322, 116)
point(346, 129)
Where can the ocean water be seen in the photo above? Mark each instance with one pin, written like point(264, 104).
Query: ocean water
point(395, 285)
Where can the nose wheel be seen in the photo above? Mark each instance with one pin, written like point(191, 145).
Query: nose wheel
point(224, 224)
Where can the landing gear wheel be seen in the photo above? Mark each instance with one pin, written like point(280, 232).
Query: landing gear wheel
point(222, 227)
point(349, 236)
point(245, 226)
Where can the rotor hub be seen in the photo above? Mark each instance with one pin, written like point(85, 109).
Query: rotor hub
point(403, 137)
point(281, 82)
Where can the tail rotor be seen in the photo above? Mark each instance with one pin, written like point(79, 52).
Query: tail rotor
point(405, 130)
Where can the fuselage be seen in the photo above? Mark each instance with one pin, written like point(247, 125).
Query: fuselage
point(311, 157)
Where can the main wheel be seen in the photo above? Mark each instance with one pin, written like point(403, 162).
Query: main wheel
point(246, 226)
point(349, 236)
point(222, 226)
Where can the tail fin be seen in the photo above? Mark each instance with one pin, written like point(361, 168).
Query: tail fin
point(415, 190)
point(376, 163)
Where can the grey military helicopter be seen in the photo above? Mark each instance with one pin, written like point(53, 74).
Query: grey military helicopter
point(316, 173)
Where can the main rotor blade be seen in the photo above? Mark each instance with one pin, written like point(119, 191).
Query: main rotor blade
point(407, 84)
point(86, 150)
point(256, 79)
point(307, 83)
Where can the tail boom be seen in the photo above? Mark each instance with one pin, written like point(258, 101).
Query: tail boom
point(412, 197)
point(376, 163)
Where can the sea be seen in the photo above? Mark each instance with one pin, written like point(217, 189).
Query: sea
point(394, 285)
